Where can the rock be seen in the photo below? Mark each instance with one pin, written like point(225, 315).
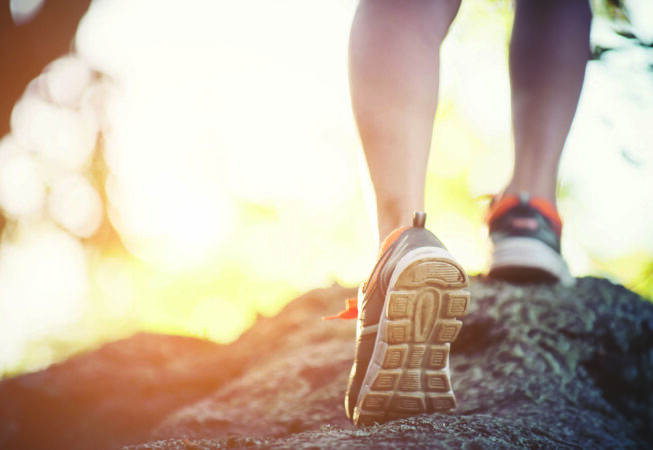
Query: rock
point(111, 396)
point(534, 366)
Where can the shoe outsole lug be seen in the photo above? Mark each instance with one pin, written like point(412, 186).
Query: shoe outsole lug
point(411, 403)
point(410, 381)
point(378, 401)
point(456, 303)
point(437, 357)
point(400, 305)
point(447, 331)
point(386, 380)
point(437, 381)
point(438, 402)
point(416, 357)
point(399, 331)
point(395, 356)
point(411, 372)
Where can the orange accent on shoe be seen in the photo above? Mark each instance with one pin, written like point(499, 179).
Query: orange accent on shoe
point(383, 255)
point(350, 312)
point(548, 210)
point(500, 207)
point(506, 202)
point(391, 238)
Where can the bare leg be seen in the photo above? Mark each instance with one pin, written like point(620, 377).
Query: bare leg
point(394, 65)
point(548, 53)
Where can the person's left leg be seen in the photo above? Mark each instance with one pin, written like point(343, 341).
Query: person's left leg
point(394, 68)
point(549, 50)
point(408, 309)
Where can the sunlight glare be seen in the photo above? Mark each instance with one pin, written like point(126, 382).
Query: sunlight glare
point(173, 222)
point(67, 79)
point(220, 320)
point(640, 13)
point(64, 138)
point(463, 239)
point(216, 116)
point(75, 205)
point(483, 96)
point(22, 188)
point(114, 281)
point(43, 283)
point(472, 132)
point(607, 168)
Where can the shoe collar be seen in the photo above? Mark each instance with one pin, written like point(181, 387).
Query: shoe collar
point(501, 205)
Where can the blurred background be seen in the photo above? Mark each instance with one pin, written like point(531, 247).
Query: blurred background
point(183, 167)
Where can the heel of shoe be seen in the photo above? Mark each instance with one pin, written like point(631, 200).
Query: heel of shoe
point(523, 259)
point(409, 371)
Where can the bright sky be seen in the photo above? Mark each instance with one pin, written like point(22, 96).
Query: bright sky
point(235, 177)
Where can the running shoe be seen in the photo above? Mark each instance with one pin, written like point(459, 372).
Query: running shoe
point(407, 317)
point(525, 235)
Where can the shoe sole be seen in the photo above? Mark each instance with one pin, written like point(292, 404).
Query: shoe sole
point(525, 259)
point(408, 373)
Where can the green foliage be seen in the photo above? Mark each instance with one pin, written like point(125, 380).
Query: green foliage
point(625, 20)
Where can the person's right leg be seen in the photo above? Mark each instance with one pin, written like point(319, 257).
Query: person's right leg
point(549, 49)
point(394, 64)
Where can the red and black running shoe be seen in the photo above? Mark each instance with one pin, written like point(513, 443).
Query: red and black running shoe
point(407, 317)
point(525, 233)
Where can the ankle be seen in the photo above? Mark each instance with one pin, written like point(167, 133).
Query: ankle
point(393, 214)
point(546, 193)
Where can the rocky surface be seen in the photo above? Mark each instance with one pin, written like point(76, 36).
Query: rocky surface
point(534, 366)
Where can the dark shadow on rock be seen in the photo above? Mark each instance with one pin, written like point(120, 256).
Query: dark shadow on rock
point(536, 366)
point(622, 364)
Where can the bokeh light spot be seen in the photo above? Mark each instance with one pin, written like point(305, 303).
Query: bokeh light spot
point(63, 138)
point(43, 283)
point(75, 205)
point(67, 79)
point(22, 11)
point(22, 189)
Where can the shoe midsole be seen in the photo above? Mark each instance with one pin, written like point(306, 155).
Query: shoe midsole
point(524, 252)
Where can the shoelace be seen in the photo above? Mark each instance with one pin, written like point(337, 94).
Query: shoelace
point(350, 311)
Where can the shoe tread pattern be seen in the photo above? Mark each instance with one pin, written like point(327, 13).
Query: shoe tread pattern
point(421, 320)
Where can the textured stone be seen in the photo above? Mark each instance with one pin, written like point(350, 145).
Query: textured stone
point(533, 366)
